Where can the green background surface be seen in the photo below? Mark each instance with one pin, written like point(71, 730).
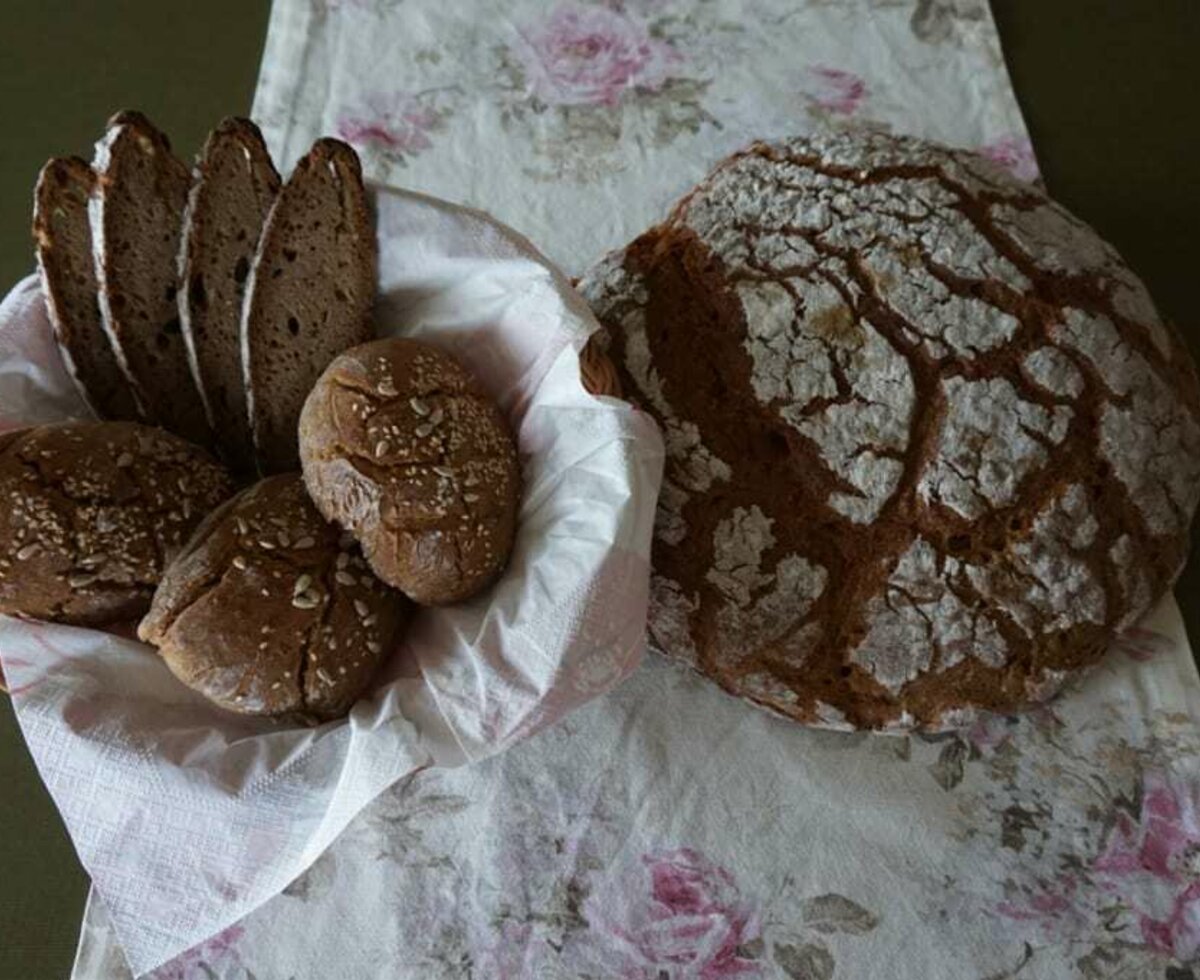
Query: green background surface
point(1108, 90)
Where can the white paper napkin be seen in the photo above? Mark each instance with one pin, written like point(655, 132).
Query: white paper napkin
point(187, 817)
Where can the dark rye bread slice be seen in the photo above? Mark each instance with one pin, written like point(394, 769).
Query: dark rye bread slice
point(309, 297)
point(136, 215)
point(235, 185)
point(63, 243)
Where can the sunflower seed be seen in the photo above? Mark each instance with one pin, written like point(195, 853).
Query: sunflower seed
point(308, 541)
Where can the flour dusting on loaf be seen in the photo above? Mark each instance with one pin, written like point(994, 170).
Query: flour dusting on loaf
point(930, 444)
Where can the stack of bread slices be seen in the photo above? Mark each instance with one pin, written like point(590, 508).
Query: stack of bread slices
point(206, 302)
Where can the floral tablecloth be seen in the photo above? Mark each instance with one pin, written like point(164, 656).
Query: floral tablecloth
point(667, 831)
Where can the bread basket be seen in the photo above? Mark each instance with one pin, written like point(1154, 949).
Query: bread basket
point(598, 376)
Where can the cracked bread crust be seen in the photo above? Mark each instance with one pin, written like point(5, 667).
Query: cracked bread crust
point(91, 514)
point(929, 443)
point(401, 446)
point(270, 610)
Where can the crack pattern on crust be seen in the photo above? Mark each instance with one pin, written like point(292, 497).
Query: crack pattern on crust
point(929, 444)
point(92, 513)
point(401, 446)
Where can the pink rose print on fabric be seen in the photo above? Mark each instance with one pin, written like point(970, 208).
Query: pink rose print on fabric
point(674, 916)
point(398, 124)
point(1153, 864)
point(1015, 154)
point(206, 961)
point(1142, 644)
point(591, 56)
point(836, 91)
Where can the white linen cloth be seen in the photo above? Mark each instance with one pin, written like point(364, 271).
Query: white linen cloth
point(667, 830)
point(188, 817)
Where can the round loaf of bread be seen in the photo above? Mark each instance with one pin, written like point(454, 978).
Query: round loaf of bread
point(91, 511)
point(929, 444)
point(401, 446)
point(271, 610)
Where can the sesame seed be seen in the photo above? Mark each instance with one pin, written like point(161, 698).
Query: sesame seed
point(241, 525)
point(125, 460)
point(302, 584)
point(470, 498)
point(423, 430)
point(381, 448)
point(266, 543)
point(436, 417)
point(308, 541)
point(28, 551)
point(81, 580)
point(343, 578)
point(305, 600)
point(443, 471)
point(361, 608)
point(91, 561)
point(284, 539)
point(342, 559)
point(387, 388)
point(418, 406)
point(324, 677)
point(373, 647)
point(239, 562)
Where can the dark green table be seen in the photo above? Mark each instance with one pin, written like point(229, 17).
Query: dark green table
point(1108, 90)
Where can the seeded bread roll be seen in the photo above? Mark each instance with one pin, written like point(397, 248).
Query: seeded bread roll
point(136, 215)
point(310, 293)
point(270, 610)
point(401, 446)
point(235, 185)
point(91, 511)
point(929, 444)
point(63, 240)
